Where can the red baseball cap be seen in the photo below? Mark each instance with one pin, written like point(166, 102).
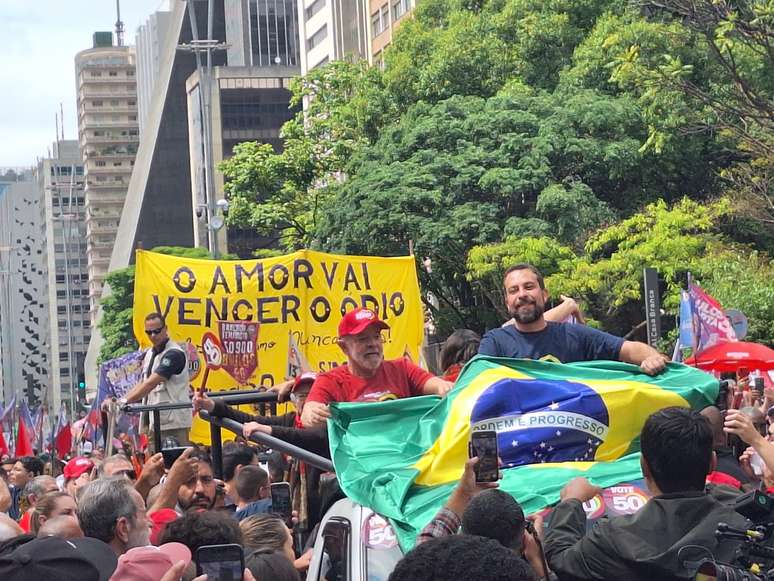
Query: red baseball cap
point(77, 466)
point(150, 563)
point(160, 519)
point(357, 321)
point(307, 377)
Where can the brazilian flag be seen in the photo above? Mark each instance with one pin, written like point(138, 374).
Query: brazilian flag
point(402, 458)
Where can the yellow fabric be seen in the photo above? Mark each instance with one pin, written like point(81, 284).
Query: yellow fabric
point(300, 296)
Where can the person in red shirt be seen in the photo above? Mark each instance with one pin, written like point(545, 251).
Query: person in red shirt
point(366, 376)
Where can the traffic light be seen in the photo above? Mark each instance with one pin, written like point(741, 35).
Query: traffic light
point(81, 387)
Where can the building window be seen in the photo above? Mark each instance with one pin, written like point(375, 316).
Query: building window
point(314, 8)
point(399, 8)
point(64, 356)
point(95, 73)
point(274, 32)
point(64, 372)
point(113, 73)
point(323, 62)
point(317, 37)
point(379, 20)
point(99, 163)
point(96, 103)
point(336, 540)
point(129, 73)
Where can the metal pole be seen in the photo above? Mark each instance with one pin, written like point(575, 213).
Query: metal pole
point(157, 430)
point(272, 442)
point(204, 92)
point(216, 448)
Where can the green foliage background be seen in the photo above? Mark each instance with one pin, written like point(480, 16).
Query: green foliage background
point(590, 137)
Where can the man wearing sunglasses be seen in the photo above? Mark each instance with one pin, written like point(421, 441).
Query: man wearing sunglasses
point(164, 380)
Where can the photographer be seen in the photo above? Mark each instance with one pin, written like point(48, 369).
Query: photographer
point(677, 455)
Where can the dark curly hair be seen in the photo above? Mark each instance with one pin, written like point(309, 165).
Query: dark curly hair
point(495, 514)
point(198, 529)
point(462, 557)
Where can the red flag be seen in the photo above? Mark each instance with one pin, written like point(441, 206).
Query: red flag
point(3, 445)
point(64, 439)
point(23, 440)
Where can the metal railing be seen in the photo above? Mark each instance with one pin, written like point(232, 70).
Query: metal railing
point(216, 448)
point(237, 397)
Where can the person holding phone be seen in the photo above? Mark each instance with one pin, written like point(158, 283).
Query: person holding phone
point(479, 508)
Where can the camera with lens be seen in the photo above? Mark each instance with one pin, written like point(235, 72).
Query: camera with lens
point(754, 558)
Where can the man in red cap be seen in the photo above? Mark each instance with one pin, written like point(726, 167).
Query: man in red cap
point(366, 376)
point(285, 426)
point(77, 474)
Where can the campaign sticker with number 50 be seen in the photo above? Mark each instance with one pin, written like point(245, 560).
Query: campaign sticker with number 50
point(624, 499)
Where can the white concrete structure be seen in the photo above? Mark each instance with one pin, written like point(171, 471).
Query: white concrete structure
point(24, 325)
point(332, 30)
point(149, 43)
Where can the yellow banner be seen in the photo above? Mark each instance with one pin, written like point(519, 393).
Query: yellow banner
point(241, 319)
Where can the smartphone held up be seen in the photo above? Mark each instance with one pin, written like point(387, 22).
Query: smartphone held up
point(483, 445)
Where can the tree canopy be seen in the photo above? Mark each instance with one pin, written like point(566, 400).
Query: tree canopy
point(592, 137)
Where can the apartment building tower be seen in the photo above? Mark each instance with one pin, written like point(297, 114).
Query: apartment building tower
point(332, 30)
point(61, 186)
point(385, 18)
point(108, 135)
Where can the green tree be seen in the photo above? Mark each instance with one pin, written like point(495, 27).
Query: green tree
point(742, 279)
point(467, 171)
point(117, 308)
point(731, 97)
point(607, 275)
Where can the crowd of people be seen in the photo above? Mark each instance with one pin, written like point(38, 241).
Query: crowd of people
point(103, 518)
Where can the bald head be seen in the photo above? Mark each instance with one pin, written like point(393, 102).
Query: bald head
point(9, 528)
point(65, 527)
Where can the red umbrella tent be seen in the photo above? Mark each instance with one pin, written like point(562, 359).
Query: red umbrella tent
point(731, 355)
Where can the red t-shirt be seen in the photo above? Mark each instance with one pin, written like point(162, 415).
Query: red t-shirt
point(395, 379)
point(24, 522)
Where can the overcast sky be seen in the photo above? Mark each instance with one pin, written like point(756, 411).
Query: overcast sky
point(38, 43)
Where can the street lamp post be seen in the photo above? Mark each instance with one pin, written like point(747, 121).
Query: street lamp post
point(198, 47)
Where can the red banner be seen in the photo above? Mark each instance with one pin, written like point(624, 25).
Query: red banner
point(239, 341)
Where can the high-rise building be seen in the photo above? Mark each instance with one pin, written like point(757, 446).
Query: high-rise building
point(149, 45)
point(385, 18)
point(332, 30)
point(108, 133)
point(248, 99)
point(60, 181)
point(24, 325)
